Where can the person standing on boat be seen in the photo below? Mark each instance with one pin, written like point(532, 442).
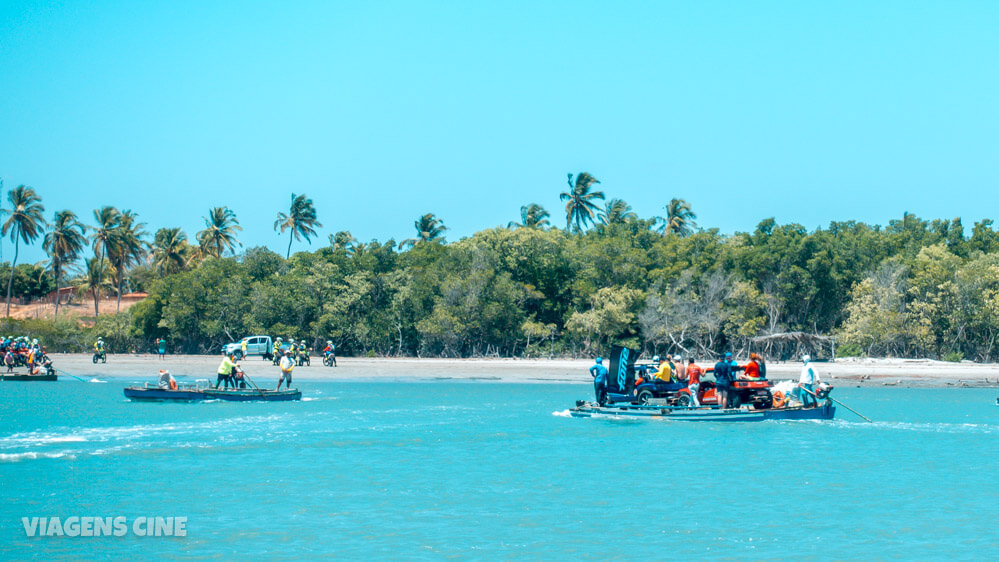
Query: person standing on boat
point(287, 365)
point(679, 369)
point(807, 383)
point(599, 374)
point(723, 379)
point(225, 371)
point(693, 373)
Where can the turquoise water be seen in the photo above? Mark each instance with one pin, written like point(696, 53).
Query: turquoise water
point(482, 470)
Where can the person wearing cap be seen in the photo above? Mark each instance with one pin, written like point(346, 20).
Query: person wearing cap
point(287, 366)
point(665, 372)
point(599, 374)
point(679, 370)
point(723, 379)
point(807, 383)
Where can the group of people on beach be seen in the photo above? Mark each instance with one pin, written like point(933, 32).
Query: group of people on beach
point(726, 371)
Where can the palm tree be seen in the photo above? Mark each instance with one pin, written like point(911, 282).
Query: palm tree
point(171, 251)
point(531, 216)
point(617, 211)
point(301, 219)
point(220, 232)
point(428, 227)
point(63, 244)
point(25, 223)
point(95, 278)
point(127, 247)
point(343, 240)
point(679, 218)
point(579, 207)
point(106, 219)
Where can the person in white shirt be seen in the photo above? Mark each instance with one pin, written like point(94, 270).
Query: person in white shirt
point(287, 365)
point(808, 383)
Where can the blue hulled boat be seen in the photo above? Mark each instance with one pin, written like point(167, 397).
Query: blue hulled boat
point(202, 390)
point(585, 409)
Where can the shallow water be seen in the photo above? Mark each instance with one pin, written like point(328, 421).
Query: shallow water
point(484, 470)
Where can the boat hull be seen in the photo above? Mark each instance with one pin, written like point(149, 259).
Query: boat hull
point(250, 395)
point(192, 395)
point(824, 412)
point(163, 395)
point(27, 377)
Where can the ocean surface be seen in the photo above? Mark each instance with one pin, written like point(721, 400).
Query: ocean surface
point(431, 470)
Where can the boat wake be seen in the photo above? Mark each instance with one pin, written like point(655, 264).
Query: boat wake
point(34, 445)
point(941, 427)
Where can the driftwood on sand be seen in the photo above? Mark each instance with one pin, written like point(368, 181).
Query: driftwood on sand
point(788, 345)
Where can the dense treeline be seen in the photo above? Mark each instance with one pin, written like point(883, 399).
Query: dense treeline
point(915, 288)
point(912, 288)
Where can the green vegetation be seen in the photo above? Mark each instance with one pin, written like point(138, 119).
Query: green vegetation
point(914, 288)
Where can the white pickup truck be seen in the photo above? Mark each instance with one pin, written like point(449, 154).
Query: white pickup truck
point(255, 345)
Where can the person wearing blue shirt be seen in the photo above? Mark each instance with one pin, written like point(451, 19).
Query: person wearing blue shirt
point(599, 374)
point(724, 374)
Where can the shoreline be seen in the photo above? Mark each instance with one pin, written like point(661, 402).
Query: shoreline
point(905, 373)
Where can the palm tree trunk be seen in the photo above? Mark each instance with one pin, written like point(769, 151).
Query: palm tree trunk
point(290, 238)
point(56, 272)
point(121, 278)
point(97, 291)
point(10, 282)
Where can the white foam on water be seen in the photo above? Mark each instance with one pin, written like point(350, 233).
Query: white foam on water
point(95, 379)
point(562, 414)
point(31, 455)
point(126, 433)
point(940, 427)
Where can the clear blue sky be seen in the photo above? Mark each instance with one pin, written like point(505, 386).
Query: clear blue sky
point(383, 111)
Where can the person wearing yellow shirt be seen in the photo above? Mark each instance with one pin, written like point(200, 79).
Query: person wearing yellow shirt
point(665, 373)
point(225, 372)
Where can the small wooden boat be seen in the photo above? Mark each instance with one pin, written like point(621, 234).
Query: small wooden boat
point(49, 376)
point(202, 390)
point(585, 409)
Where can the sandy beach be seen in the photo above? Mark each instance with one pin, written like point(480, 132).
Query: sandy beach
point(854, 372)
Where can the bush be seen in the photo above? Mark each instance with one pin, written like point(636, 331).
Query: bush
point(849, 350)
point(954, 357)
point(64, 336)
